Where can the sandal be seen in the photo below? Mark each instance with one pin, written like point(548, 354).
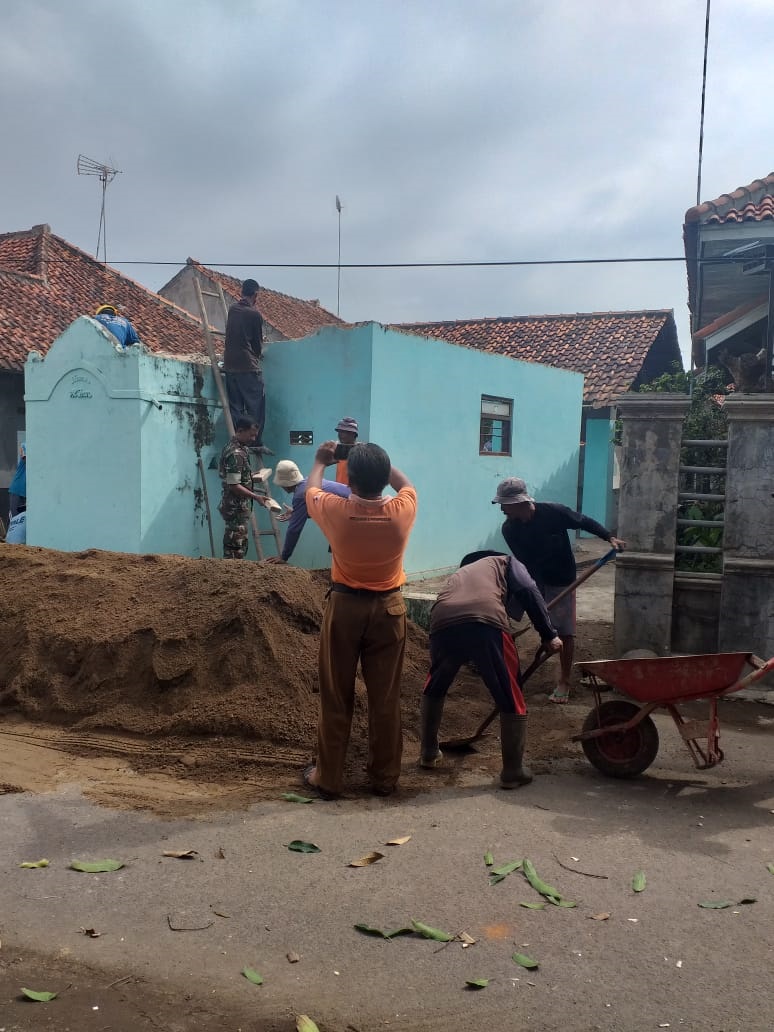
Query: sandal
point(318, 791)
point(560, 695)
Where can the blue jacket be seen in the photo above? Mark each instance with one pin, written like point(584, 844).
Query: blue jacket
point(121, 328)
point(300, 515)
point(18, 485)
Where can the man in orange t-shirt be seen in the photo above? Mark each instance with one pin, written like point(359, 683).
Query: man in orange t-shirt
point(365, 615)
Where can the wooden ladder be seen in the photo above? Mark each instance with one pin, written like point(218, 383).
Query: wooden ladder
point(262, 487)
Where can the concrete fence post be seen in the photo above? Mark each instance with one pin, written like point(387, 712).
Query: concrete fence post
point(747, 594)
point(647, 519)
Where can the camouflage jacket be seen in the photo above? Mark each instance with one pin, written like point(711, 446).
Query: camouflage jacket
point(234, 468)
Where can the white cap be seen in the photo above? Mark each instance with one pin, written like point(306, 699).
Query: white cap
point(287, 474)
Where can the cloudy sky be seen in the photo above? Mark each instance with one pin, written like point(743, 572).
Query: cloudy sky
point(504, 129)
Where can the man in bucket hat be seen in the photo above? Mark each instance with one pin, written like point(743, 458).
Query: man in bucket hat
point(289, 477)
point(536, 533)
point(347, 431)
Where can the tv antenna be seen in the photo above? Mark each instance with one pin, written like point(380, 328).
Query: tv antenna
point(106, 174)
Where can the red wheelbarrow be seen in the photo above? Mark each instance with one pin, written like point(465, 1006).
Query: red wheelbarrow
point(620, 739)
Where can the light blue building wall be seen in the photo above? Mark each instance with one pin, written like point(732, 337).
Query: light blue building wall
point(310, 385)
point(116, 435)
point(420, 399)
point(598, 499)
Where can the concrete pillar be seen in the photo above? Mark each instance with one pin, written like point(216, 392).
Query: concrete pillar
point(647, 519)
point(747, 594)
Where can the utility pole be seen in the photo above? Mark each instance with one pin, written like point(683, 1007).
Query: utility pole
point(338, 278)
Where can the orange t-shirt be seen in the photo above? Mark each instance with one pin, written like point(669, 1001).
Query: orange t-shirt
point(342, 472)
point(368, 537)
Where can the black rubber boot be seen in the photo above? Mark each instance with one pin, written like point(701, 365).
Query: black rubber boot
point(513, 736)
point(431, 712)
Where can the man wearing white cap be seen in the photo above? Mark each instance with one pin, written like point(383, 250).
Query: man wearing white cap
point(288, 476)
point(536, 533)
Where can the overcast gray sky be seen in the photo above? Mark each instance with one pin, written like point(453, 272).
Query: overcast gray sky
point(450, 130)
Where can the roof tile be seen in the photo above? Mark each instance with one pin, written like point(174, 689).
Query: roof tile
point(291, 316)
point(609, 348)
point(751, 203)
point(46, 283)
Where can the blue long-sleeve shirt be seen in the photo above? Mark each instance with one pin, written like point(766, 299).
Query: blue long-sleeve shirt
point(18, 485)
point(300, 515)
point(120, 327)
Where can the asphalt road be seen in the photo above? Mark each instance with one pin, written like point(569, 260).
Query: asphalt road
point(658, 961)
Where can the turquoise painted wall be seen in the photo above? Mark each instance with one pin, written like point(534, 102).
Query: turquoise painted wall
point(598, 468)
point(116, 471)
point(425, 410)
point(115, 434)
point(310, 385)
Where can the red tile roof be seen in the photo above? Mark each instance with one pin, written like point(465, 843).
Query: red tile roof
point(751, 203)
point(290, 316)
point(46, 283)
point(611, 349)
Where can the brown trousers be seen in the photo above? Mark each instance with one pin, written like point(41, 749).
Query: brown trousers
point(372, 629)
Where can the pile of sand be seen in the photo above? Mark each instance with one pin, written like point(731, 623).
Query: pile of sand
point(160, 644)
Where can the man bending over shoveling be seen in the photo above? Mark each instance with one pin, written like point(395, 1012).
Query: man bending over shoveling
point(469, 623)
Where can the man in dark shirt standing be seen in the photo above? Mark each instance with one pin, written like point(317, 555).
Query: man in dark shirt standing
point(536, 533)
point(242, 360)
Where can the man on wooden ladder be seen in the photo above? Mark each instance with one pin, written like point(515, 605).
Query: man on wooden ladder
point(242, 362)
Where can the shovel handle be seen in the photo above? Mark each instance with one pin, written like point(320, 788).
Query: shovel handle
point(583, 577)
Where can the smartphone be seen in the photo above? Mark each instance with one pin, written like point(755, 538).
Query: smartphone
point(342, 451)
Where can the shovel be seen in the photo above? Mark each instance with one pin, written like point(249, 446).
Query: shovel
point(463, 744)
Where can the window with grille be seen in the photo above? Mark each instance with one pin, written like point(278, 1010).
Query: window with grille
point(494, 436)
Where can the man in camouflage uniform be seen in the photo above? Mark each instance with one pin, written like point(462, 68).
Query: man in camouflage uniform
point(238, 495)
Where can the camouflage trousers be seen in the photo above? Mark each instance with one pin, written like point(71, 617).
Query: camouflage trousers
point(235, 538)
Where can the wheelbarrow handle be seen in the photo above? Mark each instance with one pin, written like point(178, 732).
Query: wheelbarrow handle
point(761, 669)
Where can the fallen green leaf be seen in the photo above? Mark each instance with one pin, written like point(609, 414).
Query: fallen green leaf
point(305, 1024)
point(533, 906)
point(293, 797)
point(488, 859)
point(524, 961)
point(638, 882)
point(252, 976)
point(505, 869)
point(298, 846)
point(566, 903)
point(30, 864)
point(96, 866)
point(717, 904)
point(476, 983)
point(770, 868)
point(430, 933)
point(399, 931)
point(369, 930)
point(537, 883)
point(39, 997)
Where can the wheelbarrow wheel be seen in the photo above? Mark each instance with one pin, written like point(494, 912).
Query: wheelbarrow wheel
point(620, 754)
